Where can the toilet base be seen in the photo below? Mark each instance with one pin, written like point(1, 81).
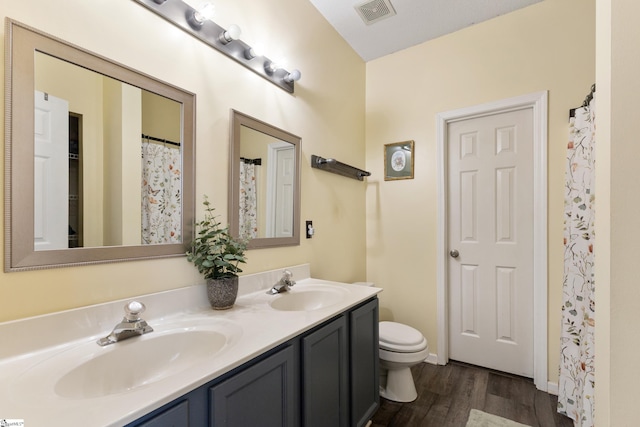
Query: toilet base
point(399, 386)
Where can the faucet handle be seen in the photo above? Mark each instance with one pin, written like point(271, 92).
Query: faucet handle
point(287, 277)
point(133, 310)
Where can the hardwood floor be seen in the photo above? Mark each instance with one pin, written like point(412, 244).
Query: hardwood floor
point(446, 394)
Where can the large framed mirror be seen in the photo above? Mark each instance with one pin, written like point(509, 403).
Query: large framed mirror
point(264, 183)
point(99, 158)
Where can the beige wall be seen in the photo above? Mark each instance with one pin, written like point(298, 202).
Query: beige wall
point(134, 36)
point(603, 224)
point(548, 46)
point(122, 114)
point(617, 249)
point(161, 117)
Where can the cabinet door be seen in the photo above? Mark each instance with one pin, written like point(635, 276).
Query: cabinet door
point(266, 394)
point(364, 345)
point(325, 370)
point(176, 416)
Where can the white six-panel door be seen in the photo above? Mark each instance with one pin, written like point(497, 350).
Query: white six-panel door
point(284, 193)
point(51, 172)
point(281, 187)
point(490, 241)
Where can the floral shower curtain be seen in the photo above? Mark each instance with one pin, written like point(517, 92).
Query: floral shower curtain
point(161, 193)
point(248, 201)
point(576, 384)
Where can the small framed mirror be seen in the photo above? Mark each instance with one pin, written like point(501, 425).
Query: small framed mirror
point(99, 158)
point(264, 183)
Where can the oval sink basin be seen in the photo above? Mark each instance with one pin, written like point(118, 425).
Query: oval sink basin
point(308, 299)
point(139, 361)
point(86, 370)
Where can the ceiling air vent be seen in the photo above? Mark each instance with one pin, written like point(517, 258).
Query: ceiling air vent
point(373, 11)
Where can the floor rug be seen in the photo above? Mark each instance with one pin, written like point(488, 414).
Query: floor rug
point(482, 419)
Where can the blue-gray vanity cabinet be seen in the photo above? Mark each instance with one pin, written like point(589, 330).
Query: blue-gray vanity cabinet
point(266, 394)
point(364, 363)
point(175, 416)
point(188, 410)
point(340, 365)
point(325, 375)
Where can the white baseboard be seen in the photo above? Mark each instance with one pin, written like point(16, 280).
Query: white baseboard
point(431, 358)
point(552, 388)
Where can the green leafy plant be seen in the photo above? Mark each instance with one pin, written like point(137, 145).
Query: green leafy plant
point(215, 253)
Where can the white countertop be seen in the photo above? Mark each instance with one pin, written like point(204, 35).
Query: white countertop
point(36, 352)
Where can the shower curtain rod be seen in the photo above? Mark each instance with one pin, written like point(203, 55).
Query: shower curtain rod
point(585, 103)
point(589, 97)
point(257, 162)
point(165, 141)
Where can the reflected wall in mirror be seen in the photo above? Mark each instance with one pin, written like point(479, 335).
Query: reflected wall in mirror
point(264, 189)
point(99, 156)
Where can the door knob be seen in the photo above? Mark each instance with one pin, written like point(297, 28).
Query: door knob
point(454, 253)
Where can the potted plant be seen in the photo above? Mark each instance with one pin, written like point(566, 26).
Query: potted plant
point(216, 254)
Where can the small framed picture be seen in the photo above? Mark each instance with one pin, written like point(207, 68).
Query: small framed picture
point(398, 161)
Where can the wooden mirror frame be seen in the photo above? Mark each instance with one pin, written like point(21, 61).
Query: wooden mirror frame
point(21, 42)
point(238, 120)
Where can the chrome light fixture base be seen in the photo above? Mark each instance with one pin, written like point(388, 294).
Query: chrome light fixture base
point(180, 14)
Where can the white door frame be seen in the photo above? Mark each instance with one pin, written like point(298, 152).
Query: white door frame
point(538, 102)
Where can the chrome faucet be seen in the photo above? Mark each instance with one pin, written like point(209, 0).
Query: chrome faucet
point(130, 326)
point(284, 284)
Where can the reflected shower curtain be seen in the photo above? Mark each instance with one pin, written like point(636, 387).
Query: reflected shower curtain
point(161, 193)
point(576, 384)
point(248, 201)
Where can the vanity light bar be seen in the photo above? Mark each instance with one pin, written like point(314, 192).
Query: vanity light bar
point(181, 15)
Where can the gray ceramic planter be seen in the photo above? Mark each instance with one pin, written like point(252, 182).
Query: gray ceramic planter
point(222, 293)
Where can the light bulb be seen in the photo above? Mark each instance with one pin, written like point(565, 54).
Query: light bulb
point(250, 53)
point(293, 76)
point(232, 33)
point(258, 49)
point(206, 12)
point(270, 67)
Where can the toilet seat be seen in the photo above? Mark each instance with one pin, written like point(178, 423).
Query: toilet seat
point(400, 338)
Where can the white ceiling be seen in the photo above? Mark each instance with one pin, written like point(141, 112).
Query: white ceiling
point(416, 21)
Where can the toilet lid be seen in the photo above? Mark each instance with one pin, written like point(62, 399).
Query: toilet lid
point(402, 338)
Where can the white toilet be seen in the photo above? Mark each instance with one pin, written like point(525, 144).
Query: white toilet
point(401, 347)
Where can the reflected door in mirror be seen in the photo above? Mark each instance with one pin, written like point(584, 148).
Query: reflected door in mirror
point(280, 195)
point(51, 177)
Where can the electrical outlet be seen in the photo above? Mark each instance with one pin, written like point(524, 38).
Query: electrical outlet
point(309, 229)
